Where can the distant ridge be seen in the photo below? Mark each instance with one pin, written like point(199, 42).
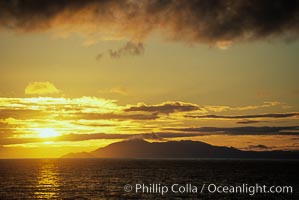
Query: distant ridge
point(138, 148)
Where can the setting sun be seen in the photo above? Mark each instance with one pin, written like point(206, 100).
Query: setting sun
point(47, 133)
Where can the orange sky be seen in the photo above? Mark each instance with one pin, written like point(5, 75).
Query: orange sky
point(77, 77)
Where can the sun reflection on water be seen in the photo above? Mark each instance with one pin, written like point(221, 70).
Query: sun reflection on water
point(48, 181)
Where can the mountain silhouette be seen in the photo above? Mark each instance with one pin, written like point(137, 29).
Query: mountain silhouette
point(138, 148)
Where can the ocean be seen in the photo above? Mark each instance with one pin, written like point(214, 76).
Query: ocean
point(120, 178)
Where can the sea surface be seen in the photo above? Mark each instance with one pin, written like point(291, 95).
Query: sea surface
point(106, 178)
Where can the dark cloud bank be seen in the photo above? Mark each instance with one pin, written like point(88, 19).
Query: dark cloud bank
point(206, 21)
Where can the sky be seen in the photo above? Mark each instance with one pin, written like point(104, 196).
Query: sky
point(79, 75)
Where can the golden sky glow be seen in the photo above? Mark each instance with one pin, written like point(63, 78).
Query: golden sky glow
point(89, 122)
point(75, 79)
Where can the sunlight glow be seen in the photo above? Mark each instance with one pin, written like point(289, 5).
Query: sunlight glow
point(47, 133)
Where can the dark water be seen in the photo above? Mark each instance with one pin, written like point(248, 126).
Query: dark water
point(105, 179)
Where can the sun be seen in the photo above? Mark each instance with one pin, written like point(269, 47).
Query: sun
point(47, 133)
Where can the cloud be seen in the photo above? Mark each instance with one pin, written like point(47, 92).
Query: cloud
point(164, 108)
point(258, 147)
point(263, 94)
point(218, 22)
point(119, 90)
point(115, 90)
point(51, 107)
point(22, 113)
point(153, 135)
point(246, 130)
point(97, 136)
point(117, 116)
point(243, 108)
point(270, 115)
point(249, 122)
point(130, 48)
point(99, 56)
point(41, 88)
point(19, 118)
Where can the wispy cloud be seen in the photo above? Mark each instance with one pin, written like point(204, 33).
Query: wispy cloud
point(269, 115)
point(243, 108)
point(165, 108)
point(41, 88)
point(115, 90)
point(98, 136)
point(99, 56)
point(91, 118)
point(129, 49)
point(247, 130)
point(116, 116)
point(23, 113)
point(249, 122)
